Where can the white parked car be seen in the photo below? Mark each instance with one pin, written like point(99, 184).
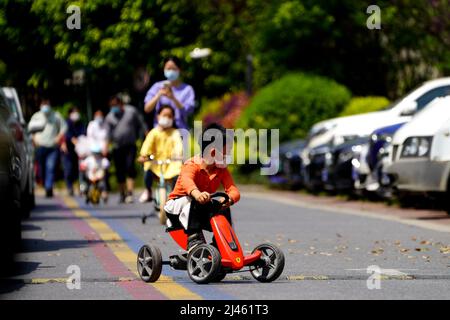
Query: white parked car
point(338, 130)
point(420, 153)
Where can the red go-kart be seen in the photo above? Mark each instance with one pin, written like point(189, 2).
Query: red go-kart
point(211, 263)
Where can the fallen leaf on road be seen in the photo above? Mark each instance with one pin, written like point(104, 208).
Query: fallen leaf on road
point(425, 242)
point(404, 250)
point(326, 254)
point(413, 238)
point(338, 235)
point(397, 242)
point(422, 249)
point(292, 241)
point(377, 251)
point(445, 250)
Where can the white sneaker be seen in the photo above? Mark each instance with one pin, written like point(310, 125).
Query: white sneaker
point(144, 196)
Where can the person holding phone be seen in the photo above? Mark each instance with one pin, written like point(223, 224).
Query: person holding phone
point(173, 92)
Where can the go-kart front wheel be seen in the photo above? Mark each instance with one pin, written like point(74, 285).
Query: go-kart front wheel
point(271, 263)
point(203, 263)
point(149, 263)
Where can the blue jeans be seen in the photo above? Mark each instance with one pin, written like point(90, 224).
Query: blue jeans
point(70, 164)
point(47, 159)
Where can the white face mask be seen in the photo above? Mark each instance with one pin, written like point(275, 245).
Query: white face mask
point(75, 116)
point(99, 120)
point(165, 122)
point(45, 108)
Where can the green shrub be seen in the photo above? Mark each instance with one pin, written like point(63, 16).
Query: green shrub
point(364, 104)
point(293, 104)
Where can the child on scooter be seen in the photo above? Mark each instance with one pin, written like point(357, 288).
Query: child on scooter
point(200, 177)
point(163, 142)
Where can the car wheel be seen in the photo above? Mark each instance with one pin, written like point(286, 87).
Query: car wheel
point(28, 202)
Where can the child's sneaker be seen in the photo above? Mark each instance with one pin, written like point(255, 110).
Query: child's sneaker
point(195, 240)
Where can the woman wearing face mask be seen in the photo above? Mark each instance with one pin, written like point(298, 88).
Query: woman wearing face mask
point(173, 92)
point(75, 129)
point(163, 142)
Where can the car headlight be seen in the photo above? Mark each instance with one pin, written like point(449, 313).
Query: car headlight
point(384, 137)
point(414, 147)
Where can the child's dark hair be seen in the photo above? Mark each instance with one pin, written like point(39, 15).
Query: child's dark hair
point(166, 106)
point(209, 137)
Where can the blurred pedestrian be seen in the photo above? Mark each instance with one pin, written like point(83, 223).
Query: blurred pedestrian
point(75, 129)
point(47, 141)
point(125, 127)
point(174, 92)
point(97, 132)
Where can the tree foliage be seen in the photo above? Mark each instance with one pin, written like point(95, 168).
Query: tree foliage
point(326, 37)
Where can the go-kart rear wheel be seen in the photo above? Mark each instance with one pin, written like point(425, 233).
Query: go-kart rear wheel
point(203, 263)
point(149, 263)
point(271, 263)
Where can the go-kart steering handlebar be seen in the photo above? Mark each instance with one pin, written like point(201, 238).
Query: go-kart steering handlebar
point(220, 194)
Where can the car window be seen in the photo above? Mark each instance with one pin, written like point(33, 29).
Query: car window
point(426, 98)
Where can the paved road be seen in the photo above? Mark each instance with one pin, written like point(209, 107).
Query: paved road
point(327, 253)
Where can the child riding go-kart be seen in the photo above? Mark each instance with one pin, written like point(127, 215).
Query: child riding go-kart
point(195, 205)
point(211, 262)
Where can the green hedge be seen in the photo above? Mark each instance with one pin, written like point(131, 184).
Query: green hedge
point(364, 104)
point(294, 103)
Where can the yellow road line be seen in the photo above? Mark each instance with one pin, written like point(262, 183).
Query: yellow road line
point(166, 285)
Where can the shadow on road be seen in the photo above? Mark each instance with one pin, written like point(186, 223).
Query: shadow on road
point(8, 283)
point(39, 245)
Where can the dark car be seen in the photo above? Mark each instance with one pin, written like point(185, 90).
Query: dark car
point(313, 171)
point(11, 173)
point(289, 164)
point(379, 181)
point(24, 149)
point(342, 165)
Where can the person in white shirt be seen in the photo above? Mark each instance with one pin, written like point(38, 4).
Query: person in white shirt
point(97, 132)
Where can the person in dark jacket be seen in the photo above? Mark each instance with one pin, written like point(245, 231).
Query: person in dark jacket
point(75, 128)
